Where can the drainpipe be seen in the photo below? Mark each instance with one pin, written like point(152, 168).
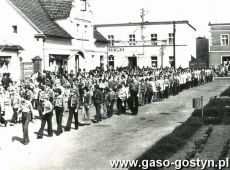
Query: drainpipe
point(174, 43)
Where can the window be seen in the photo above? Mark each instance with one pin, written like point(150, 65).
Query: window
point(111, 40)
point(172, 61)
point(171, 38)
point(154, 61)
point(132, 40)
point(4, 60)
point(111, 61)
point(154, 39)
point(224, 39)
point(15, 29)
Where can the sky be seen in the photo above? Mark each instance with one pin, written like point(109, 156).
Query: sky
point(198, 12)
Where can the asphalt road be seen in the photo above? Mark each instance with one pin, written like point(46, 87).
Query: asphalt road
point(121, 137)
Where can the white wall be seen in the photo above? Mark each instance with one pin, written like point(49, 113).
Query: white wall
point(185, 38)
point(25, 35)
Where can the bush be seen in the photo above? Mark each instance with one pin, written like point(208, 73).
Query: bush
point(212, 120)
point(226, 92)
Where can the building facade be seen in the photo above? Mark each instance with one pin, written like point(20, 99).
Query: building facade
point(55, 35)
point(219, 46)
point(9, 59)
point(152, 44)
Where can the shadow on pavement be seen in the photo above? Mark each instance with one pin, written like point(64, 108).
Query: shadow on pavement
point(17, 139)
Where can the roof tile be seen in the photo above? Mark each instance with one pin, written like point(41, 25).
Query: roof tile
point(57, 9)
point(34, 11)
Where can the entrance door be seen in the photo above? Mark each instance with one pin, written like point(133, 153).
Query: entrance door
point(132, 62)
point(76, 64)
point(225, 60)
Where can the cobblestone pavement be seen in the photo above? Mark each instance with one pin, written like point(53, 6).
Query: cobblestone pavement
point(92, 147)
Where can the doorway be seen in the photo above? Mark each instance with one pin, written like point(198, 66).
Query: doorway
point(132, 62)
point(225, 60)
point(58, 63)
point(77, 61)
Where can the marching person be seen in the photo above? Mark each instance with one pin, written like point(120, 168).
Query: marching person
point(97, 98)
point(59, 109)
point(121, 99)
point(86, 106)
point(47, 113)
point(73, 105)
point(134, 89)
point(110, 100)
point(25, 109)
point(15, 102)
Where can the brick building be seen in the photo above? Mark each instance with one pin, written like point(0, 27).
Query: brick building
point(219, 46)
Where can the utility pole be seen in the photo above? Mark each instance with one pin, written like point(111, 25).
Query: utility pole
point(163, 46)
point(174, 43)
point(142, 29)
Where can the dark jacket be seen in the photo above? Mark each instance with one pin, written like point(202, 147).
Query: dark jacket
point(97, 97)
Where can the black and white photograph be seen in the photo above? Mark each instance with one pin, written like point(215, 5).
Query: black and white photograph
point(114, 84)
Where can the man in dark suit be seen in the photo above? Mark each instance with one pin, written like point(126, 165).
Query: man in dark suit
point(97, 98)
point(134, 89)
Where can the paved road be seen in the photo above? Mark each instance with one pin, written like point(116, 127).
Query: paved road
point(91, 147)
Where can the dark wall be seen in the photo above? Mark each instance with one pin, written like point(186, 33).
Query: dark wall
point(202, 49)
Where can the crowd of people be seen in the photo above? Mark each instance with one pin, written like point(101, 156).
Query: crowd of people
point(53, 94)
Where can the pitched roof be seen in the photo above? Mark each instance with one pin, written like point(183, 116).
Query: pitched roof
point(35, 13)
point(57, 9)
point(99, 37)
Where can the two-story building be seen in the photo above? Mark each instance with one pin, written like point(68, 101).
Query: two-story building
point(55, 35)
point(219, 46)
point(152, 44)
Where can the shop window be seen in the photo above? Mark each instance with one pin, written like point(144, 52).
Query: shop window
point(4, 61)
point(154, 61)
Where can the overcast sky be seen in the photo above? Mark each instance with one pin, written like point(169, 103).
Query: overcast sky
point(198, 12)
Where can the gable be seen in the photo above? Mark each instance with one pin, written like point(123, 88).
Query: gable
point(35, 13)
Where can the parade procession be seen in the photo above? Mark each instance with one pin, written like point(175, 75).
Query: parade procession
point(103, 85)
point(46, 95)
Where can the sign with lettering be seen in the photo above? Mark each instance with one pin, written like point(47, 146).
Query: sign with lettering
point(116, 49)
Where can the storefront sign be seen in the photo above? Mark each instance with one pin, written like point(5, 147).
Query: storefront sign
point(116, 49)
